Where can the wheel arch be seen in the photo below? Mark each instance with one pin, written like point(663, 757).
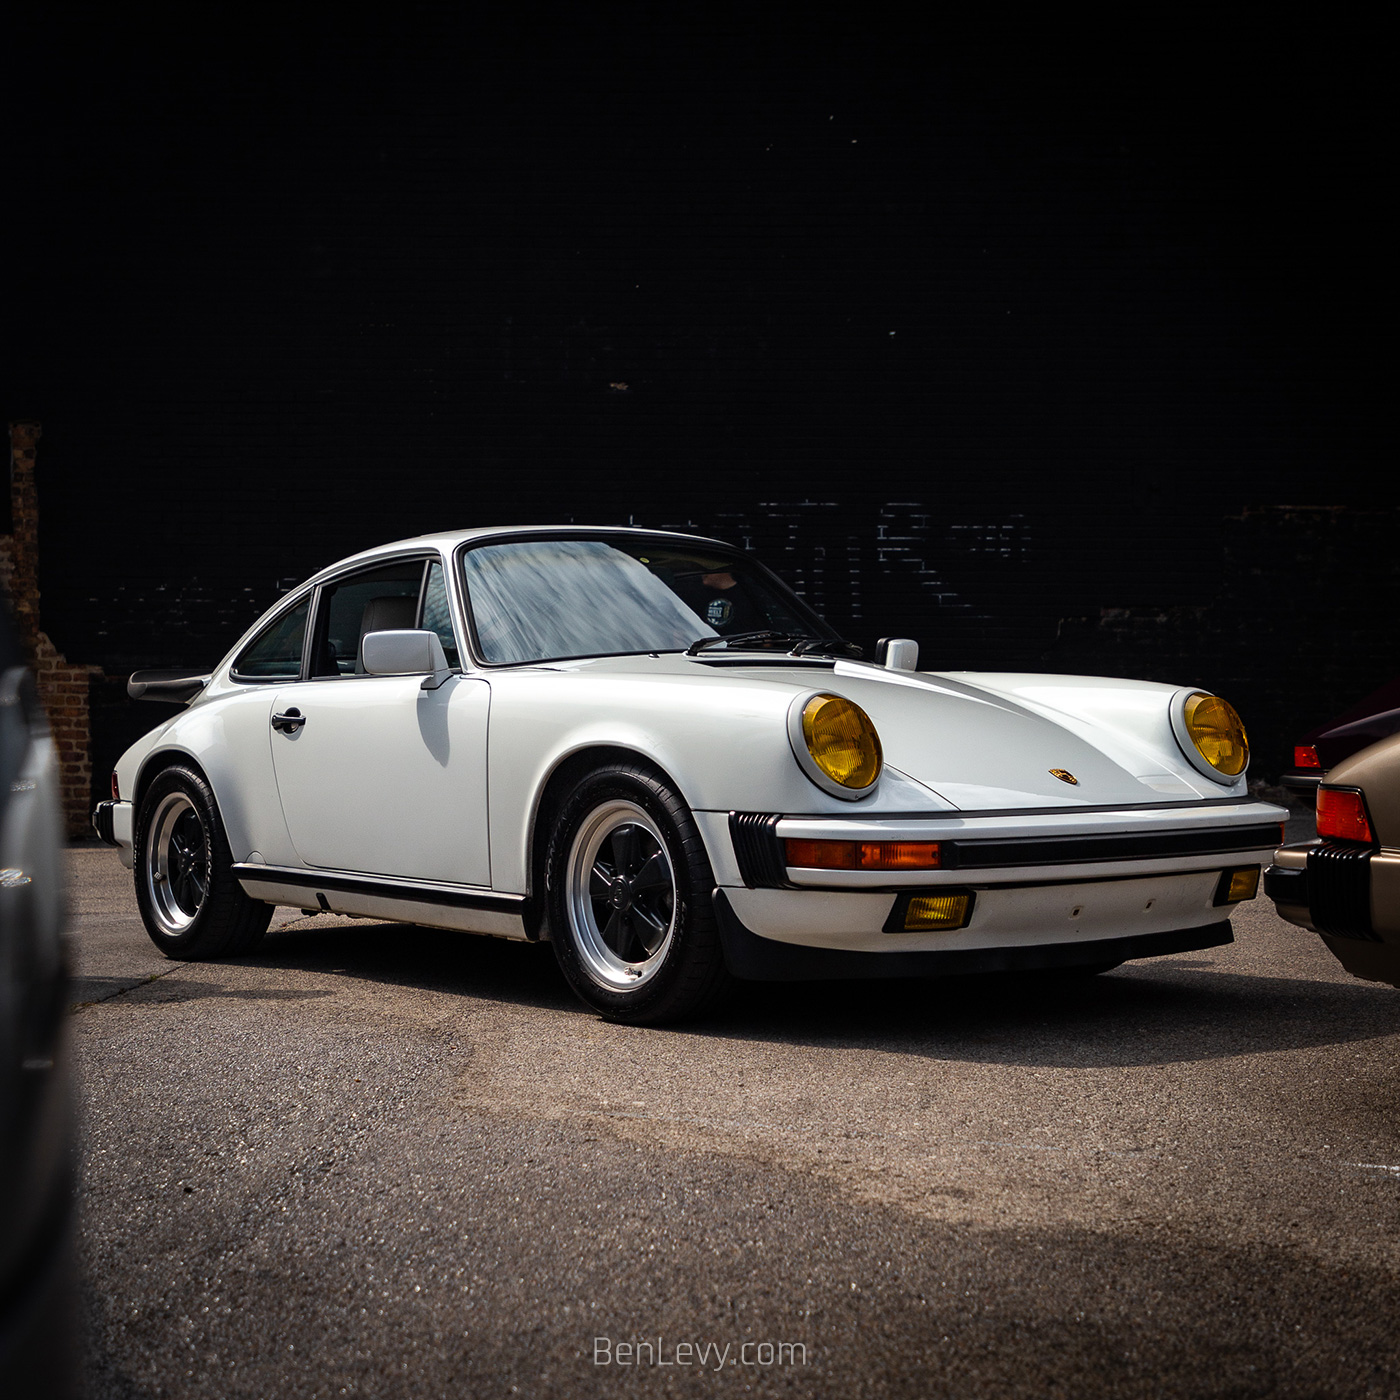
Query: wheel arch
point(569, 768)
point(155, 763)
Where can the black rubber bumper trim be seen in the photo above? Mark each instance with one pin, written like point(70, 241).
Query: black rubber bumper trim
point(963, 854)
point(1287, 884)
point(758, 850)
point(1302, 779)
point(1339, 889)
point(102, 822)
point(446, 896)
point(758, 959)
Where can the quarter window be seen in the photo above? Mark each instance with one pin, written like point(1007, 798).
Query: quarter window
point(275, 653)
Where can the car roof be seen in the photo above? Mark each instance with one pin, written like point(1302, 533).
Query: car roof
point(447, 540)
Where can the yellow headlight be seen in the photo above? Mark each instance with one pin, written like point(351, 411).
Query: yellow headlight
point(842, 741)
point(1217, 731)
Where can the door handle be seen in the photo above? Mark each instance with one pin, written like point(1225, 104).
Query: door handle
point(289, 722)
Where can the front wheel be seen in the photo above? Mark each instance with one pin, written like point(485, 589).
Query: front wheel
point(628, 889)
point(190, 902)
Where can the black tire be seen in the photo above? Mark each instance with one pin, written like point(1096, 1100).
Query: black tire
point(609, 940)
point(192, 906)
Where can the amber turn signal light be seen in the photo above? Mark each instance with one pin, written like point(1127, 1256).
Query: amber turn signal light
point(1305, 756)
point(863, 855)
point(1341, 813)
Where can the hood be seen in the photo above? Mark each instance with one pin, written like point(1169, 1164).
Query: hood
point(983, 750)
point(980, 750)
point(977, 748)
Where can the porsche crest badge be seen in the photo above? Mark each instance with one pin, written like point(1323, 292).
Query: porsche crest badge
point(1064, 776)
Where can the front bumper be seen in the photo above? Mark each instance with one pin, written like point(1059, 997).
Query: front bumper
point(759, 959)
point(1003, 917)
point(1037, 880)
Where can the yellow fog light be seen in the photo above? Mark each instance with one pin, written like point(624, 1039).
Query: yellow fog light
point(930, 912)
point(1217, 732)
point(1235, 886)
point(842, 741)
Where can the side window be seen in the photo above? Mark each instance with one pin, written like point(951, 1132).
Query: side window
point(437, 616)
point(379, 600)
point(275, 653)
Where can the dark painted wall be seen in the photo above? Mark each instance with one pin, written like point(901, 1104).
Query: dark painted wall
point(1056, 351)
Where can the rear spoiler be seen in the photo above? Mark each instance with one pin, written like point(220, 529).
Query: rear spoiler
point(173, 687)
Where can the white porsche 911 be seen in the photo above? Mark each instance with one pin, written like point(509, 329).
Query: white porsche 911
point(646, 749)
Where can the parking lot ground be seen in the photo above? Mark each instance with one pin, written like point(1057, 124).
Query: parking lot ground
point(386, 1161)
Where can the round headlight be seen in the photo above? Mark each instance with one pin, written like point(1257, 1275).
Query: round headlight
point(1217, 732)
point(841, 743)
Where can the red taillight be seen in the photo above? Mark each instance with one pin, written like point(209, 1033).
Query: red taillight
point(1305, 756)
point(863, 855)
point(116, 794)
point(1342, 814)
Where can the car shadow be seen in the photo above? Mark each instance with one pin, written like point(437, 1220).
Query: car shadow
point(171, 987)
point(1140, 1015)
point(1147, 1013)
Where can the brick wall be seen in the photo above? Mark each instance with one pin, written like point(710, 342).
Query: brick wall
point(63, 686)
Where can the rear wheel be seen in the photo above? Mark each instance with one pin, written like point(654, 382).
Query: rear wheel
point(628, 886)
point(190, 902)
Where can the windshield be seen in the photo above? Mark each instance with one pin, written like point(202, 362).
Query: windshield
point(547, 600)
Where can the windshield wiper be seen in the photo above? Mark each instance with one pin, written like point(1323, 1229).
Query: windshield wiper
point(704, 643)
point(806, 644)
point(812, 645)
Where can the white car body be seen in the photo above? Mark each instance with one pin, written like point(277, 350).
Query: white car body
point(423, 805)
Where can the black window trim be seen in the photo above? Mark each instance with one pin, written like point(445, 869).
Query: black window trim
point(313, 615)
point(293, 601)
point(605, 532)
point(427, 556)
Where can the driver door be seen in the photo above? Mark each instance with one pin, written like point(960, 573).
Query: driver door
point(381, 776)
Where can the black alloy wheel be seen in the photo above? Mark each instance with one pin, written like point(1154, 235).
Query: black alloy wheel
point(190, 902)
point(629, 896)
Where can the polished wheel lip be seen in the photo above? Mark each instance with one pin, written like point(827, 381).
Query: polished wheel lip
point(590, 871)
point(176, 867)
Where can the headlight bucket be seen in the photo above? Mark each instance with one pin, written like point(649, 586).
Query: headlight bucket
point(1211, 734)
point(835, 744)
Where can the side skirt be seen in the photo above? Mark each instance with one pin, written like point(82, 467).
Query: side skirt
point(758, 959)
point(376, 897)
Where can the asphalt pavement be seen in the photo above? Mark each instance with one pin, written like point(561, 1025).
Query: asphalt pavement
point(376, 1160)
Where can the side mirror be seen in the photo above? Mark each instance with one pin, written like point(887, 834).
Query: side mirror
point(897, 653)
point(405, 653)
